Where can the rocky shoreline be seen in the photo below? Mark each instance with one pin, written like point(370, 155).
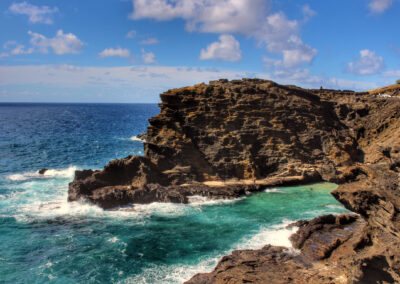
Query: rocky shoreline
point(231, 138)
point(314, 242)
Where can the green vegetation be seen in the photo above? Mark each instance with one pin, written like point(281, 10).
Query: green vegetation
point(398, 81)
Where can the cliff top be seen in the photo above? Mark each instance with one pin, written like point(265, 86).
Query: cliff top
point(392, 90)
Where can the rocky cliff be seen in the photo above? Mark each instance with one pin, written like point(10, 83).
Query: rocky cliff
point(254, 133)
point(238, 130)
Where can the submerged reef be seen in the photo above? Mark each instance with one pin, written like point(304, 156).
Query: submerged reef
point(232, 138)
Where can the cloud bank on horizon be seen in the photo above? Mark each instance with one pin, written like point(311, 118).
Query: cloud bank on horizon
point(130, 51)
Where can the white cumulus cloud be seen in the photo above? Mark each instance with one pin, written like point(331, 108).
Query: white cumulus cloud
point(368, 63)
point(292, 57)
point(295, 57)
point(60, 44)
point(15, 48)
point(392, 73)
point(251, 18)
point(226, 49)
point(216, 16)
point(120, 52)
point(149, 41)
point(379, 6)
point(308, 12)
point(35, 13)
point(131, 34)
point(148, 57)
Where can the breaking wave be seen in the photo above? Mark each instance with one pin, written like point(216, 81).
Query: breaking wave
point(50, 173)
point(273, 190)
point(135, 138)
point(277, 235)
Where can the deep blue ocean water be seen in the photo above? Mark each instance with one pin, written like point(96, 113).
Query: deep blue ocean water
point(45, 239)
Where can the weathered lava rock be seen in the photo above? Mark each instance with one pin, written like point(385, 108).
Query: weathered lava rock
point(42, 171)
point(243, 129)
point(113, 196)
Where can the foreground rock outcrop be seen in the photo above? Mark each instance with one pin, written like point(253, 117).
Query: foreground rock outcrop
point(362, 248)
point(316, 241)
point(227, 139)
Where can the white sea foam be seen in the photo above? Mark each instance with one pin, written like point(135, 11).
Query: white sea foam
point(113, 240)
point(179, 273)
point(62, 173)
point(135, 138)
point(17, 177)
point(315, 213)
point(47, 199)
point(64, 209)
point(273, 190)
point(37, 209)
point(158, 208)
point(334, 206)
point(50, 173)
point(169, 209)
point(197, 200)
point(49, 264)
point(277, 235)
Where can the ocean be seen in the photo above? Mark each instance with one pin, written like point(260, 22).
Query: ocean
point(45, 239)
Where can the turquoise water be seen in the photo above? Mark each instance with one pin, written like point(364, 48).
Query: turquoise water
point(44, 239)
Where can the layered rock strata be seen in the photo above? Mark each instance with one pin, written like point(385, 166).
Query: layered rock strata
point(230, 138)
point(238, 130)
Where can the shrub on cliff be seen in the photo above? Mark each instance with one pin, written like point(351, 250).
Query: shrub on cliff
point(398, 81)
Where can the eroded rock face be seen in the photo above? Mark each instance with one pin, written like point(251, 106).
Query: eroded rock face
point(247, 129)
point(244, 129)
point(258, 130)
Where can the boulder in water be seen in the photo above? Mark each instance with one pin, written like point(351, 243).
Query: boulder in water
point(43, 171)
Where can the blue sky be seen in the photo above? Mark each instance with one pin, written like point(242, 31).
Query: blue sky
point(130, 51)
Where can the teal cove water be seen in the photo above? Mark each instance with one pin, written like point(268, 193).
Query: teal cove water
point(45, 239)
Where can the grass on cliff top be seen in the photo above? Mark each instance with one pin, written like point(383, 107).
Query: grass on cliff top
point(388, 88)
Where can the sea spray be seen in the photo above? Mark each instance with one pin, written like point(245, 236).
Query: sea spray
point(50, 173)
point(135, 138)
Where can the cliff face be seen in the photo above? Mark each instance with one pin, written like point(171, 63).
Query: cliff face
point(256, 133)
point(247, 129)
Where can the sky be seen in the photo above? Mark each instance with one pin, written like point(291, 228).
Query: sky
point(130, 51)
